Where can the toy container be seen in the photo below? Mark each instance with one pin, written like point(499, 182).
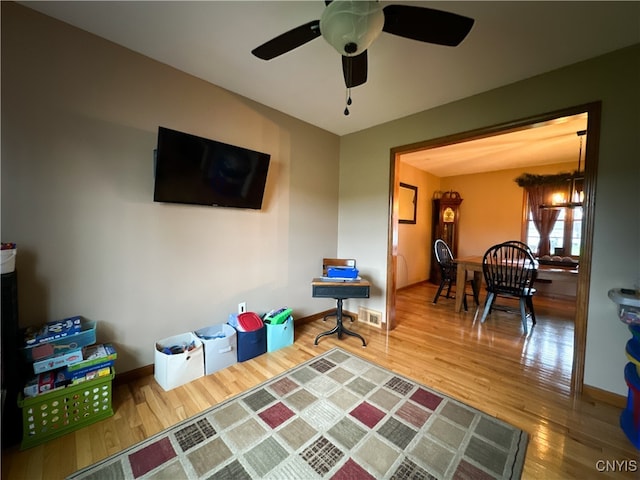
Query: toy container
point(178, 360)
point(279, 335)
point(63, 345)
point(55, 413)
point(220, 347)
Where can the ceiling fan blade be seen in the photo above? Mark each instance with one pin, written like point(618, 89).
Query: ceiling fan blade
point(426, 24)
point(288, 41)
point(354, 69)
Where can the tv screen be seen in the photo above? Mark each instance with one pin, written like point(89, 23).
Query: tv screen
point(196, 170)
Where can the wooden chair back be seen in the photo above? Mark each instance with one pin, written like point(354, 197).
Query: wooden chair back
point(444, 257)
point(520, 244)
point(509, 270)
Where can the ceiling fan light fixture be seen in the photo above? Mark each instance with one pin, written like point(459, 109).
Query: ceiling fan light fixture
point(351, 26)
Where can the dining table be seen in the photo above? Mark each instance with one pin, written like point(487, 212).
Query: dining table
point(464, 265)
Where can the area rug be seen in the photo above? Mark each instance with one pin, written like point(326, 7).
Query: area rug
point(336, 416)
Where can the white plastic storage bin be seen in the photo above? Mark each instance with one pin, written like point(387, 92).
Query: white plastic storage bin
point(175, 369)
point(220, 347)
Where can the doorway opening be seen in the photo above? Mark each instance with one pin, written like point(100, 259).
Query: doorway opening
point(592, 112)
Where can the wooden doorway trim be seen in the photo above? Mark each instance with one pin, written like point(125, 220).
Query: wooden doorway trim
point(593, 111)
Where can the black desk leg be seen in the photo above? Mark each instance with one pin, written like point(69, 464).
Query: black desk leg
point(340, 328)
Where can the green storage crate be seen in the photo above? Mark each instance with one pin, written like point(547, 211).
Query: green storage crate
point(53, 414)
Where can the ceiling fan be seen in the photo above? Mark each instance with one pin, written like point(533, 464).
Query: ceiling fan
point(352, 26)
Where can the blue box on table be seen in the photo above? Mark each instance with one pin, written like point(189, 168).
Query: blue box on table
point(342, 272)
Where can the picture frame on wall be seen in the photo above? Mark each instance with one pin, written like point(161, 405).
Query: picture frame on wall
point(408, 201)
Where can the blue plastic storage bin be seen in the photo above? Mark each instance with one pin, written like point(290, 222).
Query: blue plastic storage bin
point(279, 335)
point(251, 344)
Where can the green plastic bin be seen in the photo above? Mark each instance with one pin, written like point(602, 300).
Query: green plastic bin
point(56, 413)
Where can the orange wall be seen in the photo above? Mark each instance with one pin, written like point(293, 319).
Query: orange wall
point(414, 240)
point(491, 211)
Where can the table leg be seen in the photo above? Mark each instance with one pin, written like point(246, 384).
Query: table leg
point(324, 334)
point(477, 280)
point(340, 328)
point(461, 278)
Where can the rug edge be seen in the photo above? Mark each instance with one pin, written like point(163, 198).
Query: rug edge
point(112, 457)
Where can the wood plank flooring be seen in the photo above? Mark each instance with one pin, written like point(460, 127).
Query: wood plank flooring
point(524, 380)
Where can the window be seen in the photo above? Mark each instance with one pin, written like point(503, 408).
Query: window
point(565, 236)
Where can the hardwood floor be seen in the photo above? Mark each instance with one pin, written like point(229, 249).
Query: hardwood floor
point(492, 366)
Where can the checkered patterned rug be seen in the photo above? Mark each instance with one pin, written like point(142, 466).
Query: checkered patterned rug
point(335, 416)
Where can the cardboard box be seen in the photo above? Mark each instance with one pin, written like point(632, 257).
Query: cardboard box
point(279, 335)
point(220, 347)
point(97, 354)
point(87, 336)
point(173, 369)
point(41, 383)
point(64, 375)
point(51, 331)
point(58, 361)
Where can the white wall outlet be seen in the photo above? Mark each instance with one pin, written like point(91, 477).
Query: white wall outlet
point(370, 317)
point(242, 307)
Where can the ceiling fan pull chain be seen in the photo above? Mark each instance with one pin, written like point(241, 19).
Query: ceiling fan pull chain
point(346, 109)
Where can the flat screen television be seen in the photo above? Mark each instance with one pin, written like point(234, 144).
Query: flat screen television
point(199, 171)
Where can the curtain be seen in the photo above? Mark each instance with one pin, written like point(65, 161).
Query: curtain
point(543, 218)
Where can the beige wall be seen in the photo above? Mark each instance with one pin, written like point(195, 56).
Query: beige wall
point(79, 125)
point(612, 79)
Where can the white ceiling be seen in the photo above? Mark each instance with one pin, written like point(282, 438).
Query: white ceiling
point(509, 41)
point(555, 141)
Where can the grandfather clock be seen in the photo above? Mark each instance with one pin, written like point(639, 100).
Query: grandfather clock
point(445, 217)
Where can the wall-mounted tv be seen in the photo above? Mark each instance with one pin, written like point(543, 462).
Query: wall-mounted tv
point(199, 171)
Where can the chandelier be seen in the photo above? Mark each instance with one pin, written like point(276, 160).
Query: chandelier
point(570, 193)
